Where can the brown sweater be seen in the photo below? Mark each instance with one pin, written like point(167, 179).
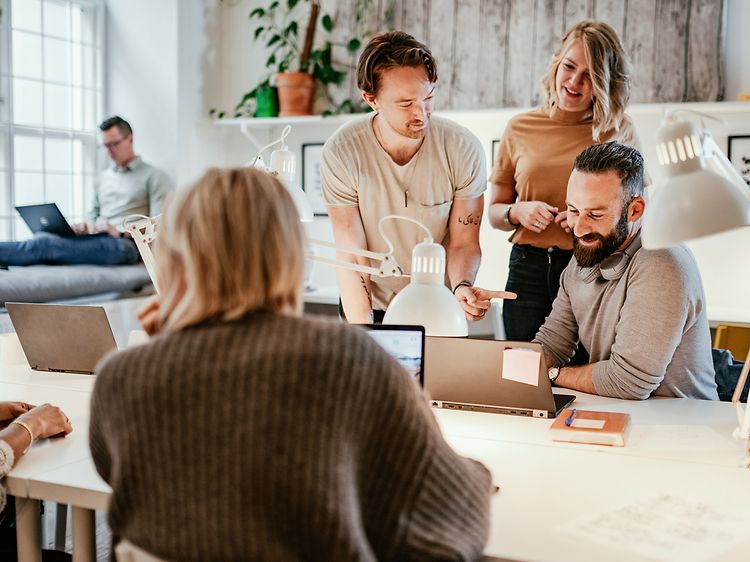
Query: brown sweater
point(279, 438)
point(536, 157)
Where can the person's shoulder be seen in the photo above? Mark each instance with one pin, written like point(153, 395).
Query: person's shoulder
point(533, 116)
point(350, 132)
point(676, 263)
point(449, 133)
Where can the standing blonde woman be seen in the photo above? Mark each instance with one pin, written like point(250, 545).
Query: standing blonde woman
point(587, 89)
point(259, 434)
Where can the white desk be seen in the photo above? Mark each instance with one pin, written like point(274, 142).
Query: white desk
point(543, 483)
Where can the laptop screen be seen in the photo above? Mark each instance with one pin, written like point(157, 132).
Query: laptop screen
point(403, 343)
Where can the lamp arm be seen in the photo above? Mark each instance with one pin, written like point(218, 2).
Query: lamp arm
point(388, 266)
point(143, 231)
point(284, 134)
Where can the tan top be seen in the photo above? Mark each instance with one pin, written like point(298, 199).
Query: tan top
point(356, 171)
point(536, 156)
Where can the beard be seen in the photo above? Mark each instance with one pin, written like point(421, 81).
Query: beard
point(589, 256)
point(414, 129)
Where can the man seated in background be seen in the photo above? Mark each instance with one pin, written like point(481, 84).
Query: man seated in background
point(130, 187)
point(641, 314)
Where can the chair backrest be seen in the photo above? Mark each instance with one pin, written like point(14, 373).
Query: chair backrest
point(734, 338)
point(126, 551)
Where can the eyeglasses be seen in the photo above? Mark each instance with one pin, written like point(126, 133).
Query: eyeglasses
point(113, 144)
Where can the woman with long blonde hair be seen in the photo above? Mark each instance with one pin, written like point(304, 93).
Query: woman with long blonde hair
point(587, 88)
point(244, 431)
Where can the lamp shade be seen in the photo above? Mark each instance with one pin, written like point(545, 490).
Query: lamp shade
point(284, 167)
point(699, 194)
point(426, 301)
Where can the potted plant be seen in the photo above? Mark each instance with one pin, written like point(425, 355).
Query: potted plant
point(300, 66)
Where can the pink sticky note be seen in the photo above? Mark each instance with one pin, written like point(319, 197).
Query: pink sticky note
point(521, 365)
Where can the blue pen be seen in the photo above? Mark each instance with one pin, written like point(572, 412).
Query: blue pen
point(569, 421)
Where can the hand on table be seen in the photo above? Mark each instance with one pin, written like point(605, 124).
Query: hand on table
point(533, 215)
point(476, 301)
point(46, 421)
point(81, 228)
point(148, 316)
point(108, 228)
point(11, 410)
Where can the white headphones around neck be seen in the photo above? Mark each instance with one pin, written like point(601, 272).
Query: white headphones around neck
point(613, 267)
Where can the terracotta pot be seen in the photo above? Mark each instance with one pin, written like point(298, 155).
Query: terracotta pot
point(296, 90)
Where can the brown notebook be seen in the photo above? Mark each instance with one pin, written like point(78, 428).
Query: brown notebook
point(586, 426)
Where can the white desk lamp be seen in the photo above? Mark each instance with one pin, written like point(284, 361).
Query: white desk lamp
point(701, 194)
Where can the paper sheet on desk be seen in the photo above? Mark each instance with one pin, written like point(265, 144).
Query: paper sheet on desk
point(521, 365)
point(664, 528)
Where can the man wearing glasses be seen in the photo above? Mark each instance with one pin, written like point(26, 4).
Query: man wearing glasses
point(129, 187)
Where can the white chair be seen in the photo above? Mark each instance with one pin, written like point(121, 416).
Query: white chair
point(126, 551)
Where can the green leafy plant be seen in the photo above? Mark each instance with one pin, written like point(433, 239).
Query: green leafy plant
point(279, 25)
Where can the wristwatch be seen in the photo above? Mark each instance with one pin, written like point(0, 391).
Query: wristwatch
point(553, 373)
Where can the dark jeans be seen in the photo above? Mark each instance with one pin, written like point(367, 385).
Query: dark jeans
point(94, 249)
point(534, 275)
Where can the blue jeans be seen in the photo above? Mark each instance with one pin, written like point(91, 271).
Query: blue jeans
point(94, 249)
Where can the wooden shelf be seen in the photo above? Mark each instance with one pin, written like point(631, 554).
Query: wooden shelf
point(271, 122)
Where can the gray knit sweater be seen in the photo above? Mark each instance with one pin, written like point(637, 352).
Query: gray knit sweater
point(646, 333)
point(279, 438)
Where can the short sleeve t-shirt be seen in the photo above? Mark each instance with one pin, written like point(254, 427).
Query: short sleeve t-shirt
point(357, 172)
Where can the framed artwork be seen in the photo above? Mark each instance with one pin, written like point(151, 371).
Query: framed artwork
point(739, 155)
point(311, 154)
point(495, 147)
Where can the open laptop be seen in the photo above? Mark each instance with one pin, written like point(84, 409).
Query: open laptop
point(45, 218)
point(62, 338)
point(501, 377)
point(404, 343)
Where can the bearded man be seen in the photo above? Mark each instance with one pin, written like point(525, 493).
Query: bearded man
point(640, 314)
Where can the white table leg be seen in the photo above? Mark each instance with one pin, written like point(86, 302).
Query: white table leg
point(28, 530)
point(84, 535)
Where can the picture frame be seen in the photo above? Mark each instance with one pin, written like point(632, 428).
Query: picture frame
point(495, 148)
point(738, 152)
point(311, 156)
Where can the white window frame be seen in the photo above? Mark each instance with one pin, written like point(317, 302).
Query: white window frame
point(89, 137)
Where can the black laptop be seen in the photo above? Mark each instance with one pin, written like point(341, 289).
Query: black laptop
point(404, 343)
point(45, 218)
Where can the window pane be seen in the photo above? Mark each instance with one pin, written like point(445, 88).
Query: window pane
point(76, 121)
point(27, 55)
point(57, 155)
point(56, 19)
point(88, 25)
point(79, 202)
point(77, 147)
point(3, 152)
point(89, 67)
point(90, 109)
point(29, 188)
point(27, 153)
point(27, 102)
point(4, 99)
point(58, 190)
point(75, 24)
point(57, 106)
point(27, 14)
point(4, 51)
point(22, 231)
point(76, 64)
point(6, 210)
point(56, 60)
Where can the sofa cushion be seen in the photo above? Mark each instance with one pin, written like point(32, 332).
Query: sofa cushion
point(43, 283)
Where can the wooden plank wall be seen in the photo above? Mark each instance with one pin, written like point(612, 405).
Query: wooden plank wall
point(493, 53)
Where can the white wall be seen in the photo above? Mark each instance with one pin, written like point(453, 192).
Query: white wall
point(142, 75)
point(737, 49)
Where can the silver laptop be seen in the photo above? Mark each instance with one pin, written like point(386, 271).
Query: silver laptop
point(490, 376)
point(62, 338)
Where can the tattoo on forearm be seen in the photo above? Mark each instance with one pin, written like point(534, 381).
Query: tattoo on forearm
point(367, 290)
point(476, 220)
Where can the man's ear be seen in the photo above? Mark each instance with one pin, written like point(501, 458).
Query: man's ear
point(370, 100)
point(636, 208)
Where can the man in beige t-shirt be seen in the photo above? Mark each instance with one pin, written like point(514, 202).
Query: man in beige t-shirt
point(401, 161)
